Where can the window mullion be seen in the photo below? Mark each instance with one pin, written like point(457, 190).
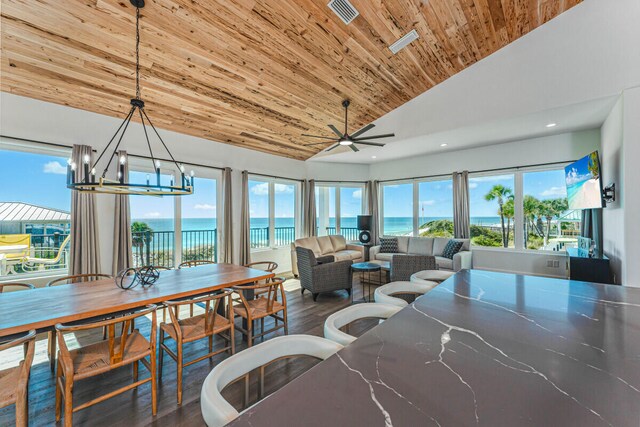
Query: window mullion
point(416, 208)
point(518, 217)
point(337, 209)
point(272, 221)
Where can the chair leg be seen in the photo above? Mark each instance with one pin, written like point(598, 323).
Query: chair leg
point(136, 367)
point(302, 291)
point(348, 291)
point(161, 341)
point(315, 296)
point(154, 383)
point(262, 328)
point(68, 403)
point(286, 322)
point(58, 394)
point(249, 332)
point(210, 343)
point(52, 350)
point(22, 411)
point(179, 372)
point(232, 336)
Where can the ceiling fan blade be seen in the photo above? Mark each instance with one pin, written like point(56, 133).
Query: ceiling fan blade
point(336, 131)
point(376, 144)
point(363, 130)
point(332, 147)
point(319, 143)
point(354, 148)
point(386, 135)
point(318, 136)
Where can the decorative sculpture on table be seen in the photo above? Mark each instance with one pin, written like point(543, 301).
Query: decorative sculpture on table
point(145, 276)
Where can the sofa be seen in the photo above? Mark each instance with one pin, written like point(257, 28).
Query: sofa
point(334, 245)
point(428, 246)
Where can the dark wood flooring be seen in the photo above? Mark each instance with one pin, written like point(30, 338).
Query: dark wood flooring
point(133, 408)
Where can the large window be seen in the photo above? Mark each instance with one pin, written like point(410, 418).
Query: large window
point(337, 208)
point(34, 212)
point(200, 221)
point(491, 200)
point(152, 225)
point(167, 231)
point(273, 212)
point(548, 222)
point(397, 209)
point(435, 204)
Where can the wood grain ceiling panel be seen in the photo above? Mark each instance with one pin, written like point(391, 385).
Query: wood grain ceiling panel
point(252, 73)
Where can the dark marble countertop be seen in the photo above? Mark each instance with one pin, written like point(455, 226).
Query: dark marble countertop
point(482, 348)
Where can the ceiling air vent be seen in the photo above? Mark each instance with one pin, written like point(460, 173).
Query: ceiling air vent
point(345, 10)
point(403, 41)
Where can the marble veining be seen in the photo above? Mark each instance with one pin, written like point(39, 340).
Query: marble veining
point(482, 348)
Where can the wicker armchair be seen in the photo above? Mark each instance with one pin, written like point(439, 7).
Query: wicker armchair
point(317, 277)
point(403, 266)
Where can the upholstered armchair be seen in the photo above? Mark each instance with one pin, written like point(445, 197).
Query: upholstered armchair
point(403, 266)
point(319, 275)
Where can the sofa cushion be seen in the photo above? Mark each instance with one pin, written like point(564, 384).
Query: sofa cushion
point(338, 242)
point(403, 244)
point(452, 248)
point(325, 245)
point(439, 243)
point(421, 245)
point(388, 245)
point(309, 243)
point(465, 244)
point(384, 257)
point(347, 254)
point(444, 263)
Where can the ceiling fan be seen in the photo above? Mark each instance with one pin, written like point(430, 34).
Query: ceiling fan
point(349, 140)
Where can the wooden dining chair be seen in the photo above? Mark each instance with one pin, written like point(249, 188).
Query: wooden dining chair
point(14, 382)
point(265, 305)
point(18, 286)
point(195, 328)
point(268, 266)
point(130, 348)
point(77, 278)
point(193, 263)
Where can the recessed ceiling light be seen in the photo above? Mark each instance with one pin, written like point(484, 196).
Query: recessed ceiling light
point(550, 125)
point(443, 145)
point(374, 157)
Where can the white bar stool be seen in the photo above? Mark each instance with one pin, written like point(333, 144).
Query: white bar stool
point(352, 313)
point(385, 294)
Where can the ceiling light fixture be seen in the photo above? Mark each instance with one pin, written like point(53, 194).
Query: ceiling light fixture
point(443, 145)
point(374, 157)
point(550, 125)
point(121, 185)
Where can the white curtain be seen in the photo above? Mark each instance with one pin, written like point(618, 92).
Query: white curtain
point(245, 226)
point(371, 190)
point(84, 254)
point(309, 226)
point(226, 237)
point(122, 244)
point(461, 216)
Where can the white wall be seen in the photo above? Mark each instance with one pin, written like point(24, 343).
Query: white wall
point(613, 171)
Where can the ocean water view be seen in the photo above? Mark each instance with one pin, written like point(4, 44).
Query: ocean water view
point(392, 225)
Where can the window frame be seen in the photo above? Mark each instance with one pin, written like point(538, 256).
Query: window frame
point(297, 209)
point(338, 187)
point(518, 191)
point(21, 146)
point(143, 165)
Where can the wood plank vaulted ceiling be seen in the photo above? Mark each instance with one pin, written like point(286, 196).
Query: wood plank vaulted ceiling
point(252, 73)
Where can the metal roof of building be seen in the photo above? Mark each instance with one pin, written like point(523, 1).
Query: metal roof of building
point(25, 212)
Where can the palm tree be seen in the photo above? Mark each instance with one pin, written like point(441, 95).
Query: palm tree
point(552, 209)
point(509, 212)
point(141, 235)
point(501, 194)
point(531, 208)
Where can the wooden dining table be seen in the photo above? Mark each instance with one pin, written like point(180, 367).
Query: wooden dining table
point(41, 309)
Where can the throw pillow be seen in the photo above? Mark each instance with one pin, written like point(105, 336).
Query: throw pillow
point(452, 248)
point(388, 245)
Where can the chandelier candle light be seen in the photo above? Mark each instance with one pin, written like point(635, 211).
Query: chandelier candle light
point(121, 184)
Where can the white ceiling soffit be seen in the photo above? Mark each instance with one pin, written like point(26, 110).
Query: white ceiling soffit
point(565, 71)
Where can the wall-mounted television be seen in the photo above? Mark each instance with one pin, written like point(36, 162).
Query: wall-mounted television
point(584, 183)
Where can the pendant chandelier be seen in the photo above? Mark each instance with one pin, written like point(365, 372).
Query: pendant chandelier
point(121, 184)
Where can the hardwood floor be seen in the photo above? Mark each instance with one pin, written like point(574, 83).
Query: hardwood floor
point(133, 408)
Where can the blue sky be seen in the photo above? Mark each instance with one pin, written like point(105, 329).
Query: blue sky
point(40, 180)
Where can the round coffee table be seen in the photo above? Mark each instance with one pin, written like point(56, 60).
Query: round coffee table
point(365, 268)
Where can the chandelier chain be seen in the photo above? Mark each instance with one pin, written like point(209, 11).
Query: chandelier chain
point(137, 53)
